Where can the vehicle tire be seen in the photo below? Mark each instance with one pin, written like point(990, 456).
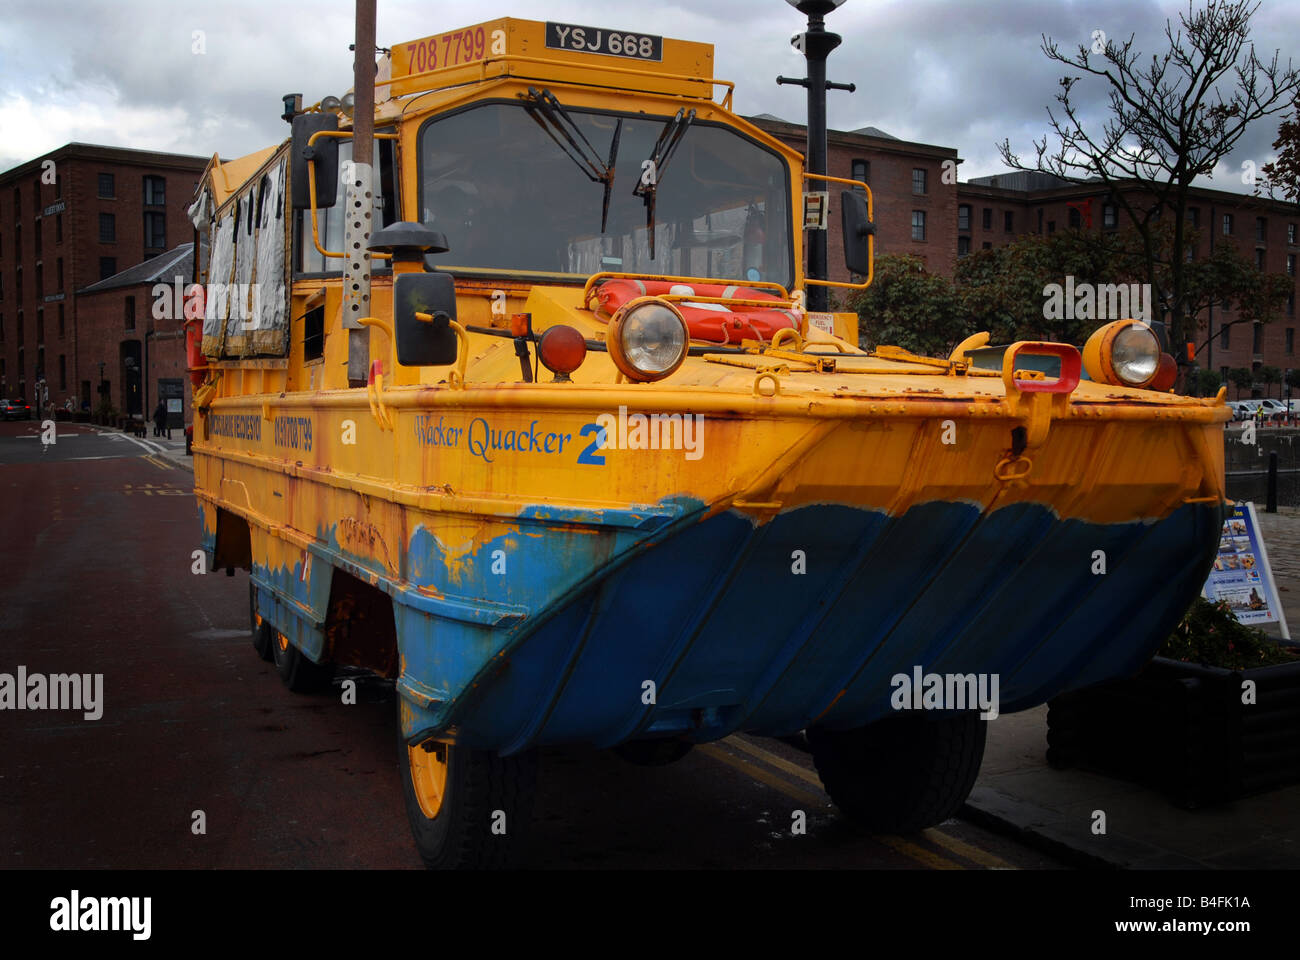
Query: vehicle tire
point(299, 673)
point(456, 797)
point(653, 753)
point(904, 773)
point(262, 631)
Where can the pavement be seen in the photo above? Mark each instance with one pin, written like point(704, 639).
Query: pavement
point(1018, 794)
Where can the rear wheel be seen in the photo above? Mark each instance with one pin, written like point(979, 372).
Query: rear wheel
point(468, 809)
point(299, 673)
point(904, 773)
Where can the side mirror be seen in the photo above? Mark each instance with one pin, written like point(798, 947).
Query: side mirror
point(419, 342)
point(858, 231)
point(323, 156)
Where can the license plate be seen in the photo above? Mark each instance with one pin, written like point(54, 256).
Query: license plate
point(610, 43)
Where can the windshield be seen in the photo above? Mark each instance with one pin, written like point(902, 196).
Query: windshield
point(508, 197)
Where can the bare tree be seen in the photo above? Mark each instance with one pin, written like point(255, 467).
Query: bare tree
point(1171, 120)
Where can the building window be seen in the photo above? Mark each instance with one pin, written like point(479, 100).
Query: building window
point(918, 180)
point(1227, 224)
point(986, 218)
point(1259, 259)
point(63, 371)
point(1194, 216)
point(1008, 221)
point(107, 228)
point(1225, 339)
point(1051, 226)
point(58, 269)
point(22, 335)
point(861, 171)
point(36, 199)
point(37, 238)
point(130, 313)
point(1261, 229)
point(40, 280)
point(107, 267)
point(40, 325)
point(1075, 220)
point(1290, 264)
point(18, 285)
point(963, 216)
point(1257, 338)
point(58, 185)
point(1223, 374)
point(155, 230)
point(2, 328)
point(987, 245)
point(106, 187)
point(1290, 305)
point(1290, 340)
point(918, 224)
point(61, 327)
point(18, 242)
point(1290, 233)
point(963, 246)
point(154, 191)
point(1109, 216)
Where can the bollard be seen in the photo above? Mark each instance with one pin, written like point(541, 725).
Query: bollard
point(1270, 505)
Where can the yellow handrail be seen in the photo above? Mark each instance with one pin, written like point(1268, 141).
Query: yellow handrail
point(871, 239)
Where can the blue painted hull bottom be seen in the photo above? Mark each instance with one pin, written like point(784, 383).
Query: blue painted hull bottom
point(704, 628)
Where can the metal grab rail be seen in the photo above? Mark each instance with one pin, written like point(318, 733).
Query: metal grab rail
point(871, 238)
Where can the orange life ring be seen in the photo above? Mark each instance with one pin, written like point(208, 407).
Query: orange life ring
point(717, 323)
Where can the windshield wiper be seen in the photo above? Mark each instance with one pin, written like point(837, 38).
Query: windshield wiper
point(551, 116)
point(646, 189)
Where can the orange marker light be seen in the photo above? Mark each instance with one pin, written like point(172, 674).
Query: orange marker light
point(562, 350)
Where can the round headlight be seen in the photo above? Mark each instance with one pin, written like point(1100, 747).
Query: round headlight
point(1125, 353)
point(648, 339)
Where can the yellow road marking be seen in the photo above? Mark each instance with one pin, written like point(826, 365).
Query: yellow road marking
point(779, 762)
point(909, 849)
point(160, 464)
point(964, 849)
point(762, 776)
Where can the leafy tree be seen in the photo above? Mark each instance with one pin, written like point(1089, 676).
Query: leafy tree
point(1270, 376)
point(1292, 378)
point(907, 307)
point(1241, 378)
point(1284, 173)
point(1172, 118)
point(1202, 382)
point(1226, 276)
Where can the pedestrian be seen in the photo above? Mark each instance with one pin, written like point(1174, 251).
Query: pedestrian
point(160, 420)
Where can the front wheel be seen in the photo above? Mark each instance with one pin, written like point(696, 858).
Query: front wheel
point(904, 773)
point(468, 809)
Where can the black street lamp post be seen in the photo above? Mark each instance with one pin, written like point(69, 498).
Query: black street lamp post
point(816, 45)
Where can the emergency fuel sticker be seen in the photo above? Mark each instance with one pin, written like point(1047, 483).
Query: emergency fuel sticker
point(610, 43)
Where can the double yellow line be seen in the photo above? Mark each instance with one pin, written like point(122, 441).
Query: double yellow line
point(818, 801)
point(158, 461)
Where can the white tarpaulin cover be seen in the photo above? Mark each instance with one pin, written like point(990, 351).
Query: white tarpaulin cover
point(246, 312)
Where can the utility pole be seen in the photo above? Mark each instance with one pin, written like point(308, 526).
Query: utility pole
point(816, 45)
point(359, 221)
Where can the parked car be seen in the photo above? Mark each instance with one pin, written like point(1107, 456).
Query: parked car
point(15, 410)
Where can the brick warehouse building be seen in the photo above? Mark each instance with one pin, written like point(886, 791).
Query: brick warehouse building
point(913, 191)
point(68, 219)
point(994, 210)
point(122, 306)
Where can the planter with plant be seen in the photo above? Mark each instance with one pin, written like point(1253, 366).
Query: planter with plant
point(1214, 716)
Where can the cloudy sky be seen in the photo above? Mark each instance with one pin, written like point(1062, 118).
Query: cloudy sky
point(958, 73)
